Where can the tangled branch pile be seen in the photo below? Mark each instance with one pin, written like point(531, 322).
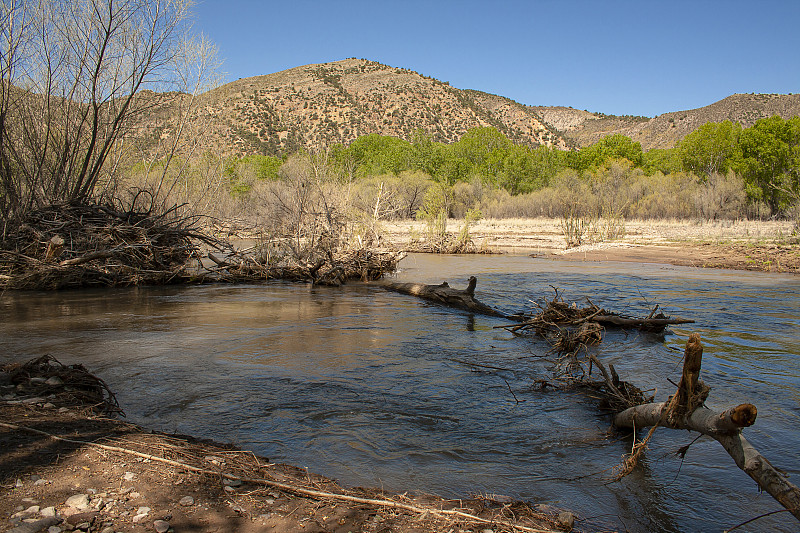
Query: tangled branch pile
point(82, 245)
point(62, 385)
point(571, 330)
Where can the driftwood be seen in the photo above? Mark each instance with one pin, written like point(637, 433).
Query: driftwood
point(685, 410)
point(556, 315)
point(446, 295)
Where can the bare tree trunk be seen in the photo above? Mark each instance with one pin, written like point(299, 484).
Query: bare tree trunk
point(685, 411)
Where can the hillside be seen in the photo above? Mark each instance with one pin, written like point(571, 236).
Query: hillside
point(337, 102)
point(582, 128)
point(323, 104)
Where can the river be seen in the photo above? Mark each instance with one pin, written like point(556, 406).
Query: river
point(372, 388)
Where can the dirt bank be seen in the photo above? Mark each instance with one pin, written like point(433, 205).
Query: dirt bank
point(63, 467)
point(742, 245)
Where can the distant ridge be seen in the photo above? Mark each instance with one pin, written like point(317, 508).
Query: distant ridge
point(323, 104)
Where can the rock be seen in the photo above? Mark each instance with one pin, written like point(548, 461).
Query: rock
point(40, 482)
point(161, 526)
point(32, 510)
point(54, 529)
point(35, 526)
point(107, 530)
point(566, 520)
point(18, 483)
point(79, 519)
point(143, 510)
point(269, 501)
point(31, 501)
point(133, 495)
point(229, 489)
point(63, 410)
point(49, 405)
point(129, 476)
point(232, 482)
point(48, 512)
point(214, 460)
point(54, 381)
point(186, 501)
point(78, 501)
point(37, 380)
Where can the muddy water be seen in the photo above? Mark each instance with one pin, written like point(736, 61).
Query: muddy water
point(372, 388)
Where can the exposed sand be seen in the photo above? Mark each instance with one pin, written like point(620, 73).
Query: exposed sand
point(744, 245)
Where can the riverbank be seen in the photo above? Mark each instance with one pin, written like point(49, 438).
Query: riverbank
point(742, 245)
point(67, 468)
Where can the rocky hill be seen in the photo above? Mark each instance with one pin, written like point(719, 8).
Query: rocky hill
point(323, 104)
point(337, 102)
point(582, 128)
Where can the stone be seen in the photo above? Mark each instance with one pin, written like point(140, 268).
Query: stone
point(18, 483)
point(49, 405)
point(232, 482)
point(142, 510)
point(161, 526)
point(54, 381)
point(31, 501)
point(566, 520)
point(129, 476)
point(133, 495)
point(229, 489)
point(78, 501)
point(40, 482)
point(48, 512)
point(81, 518)
point(54, 529)
point(33, 509)
point(186, 501)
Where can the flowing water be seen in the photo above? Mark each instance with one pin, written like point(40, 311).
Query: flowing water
point(374, 388)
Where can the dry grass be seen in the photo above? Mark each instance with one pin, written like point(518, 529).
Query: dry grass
point(547, 233)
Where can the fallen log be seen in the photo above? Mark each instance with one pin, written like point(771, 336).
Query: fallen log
point(446, 295)
point(685, 410)
point(655, 324)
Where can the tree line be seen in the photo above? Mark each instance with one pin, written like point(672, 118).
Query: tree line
point(719, 170)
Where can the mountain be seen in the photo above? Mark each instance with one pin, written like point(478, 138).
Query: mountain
point(337, 102)
point(328, 103)
point(582, 128)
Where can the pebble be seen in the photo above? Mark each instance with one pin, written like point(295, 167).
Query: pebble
point(54, 381)
point(269, 501)
point(232, 482)
point(48, 512)
point(31, 501)
point(54, 529)
point(40, 482)
point(229, 489)
point(161, 526)
point(49, 405)
point(129, 476)
point(18, 484)
point(186, 501)
point(78, 501)
point(566, 520)
point(133, 495)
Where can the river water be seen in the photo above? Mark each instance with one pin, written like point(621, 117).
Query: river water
point(373, 388)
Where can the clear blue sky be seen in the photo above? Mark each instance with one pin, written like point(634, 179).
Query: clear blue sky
point(643, 57)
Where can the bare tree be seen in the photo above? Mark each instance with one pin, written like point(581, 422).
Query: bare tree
point(73, 72)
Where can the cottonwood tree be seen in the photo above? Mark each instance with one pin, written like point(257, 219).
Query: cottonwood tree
point(72, 75)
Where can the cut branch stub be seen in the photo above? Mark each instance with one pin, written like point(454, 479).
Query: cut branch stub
point(691, 391)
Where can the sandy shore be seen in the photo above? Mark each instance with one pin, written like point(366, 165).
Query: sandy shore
point(742, 245)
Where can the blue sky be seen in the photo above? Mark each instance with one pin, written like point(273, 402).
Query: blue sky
point(643, 57)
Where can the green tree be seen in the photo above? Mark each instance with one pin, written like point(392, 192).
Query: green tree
point(615, 146)
point(711, 148)
point(770, 161)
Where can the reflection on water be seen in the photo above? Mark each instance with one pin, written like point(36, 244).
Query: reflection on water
point(371, 387)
